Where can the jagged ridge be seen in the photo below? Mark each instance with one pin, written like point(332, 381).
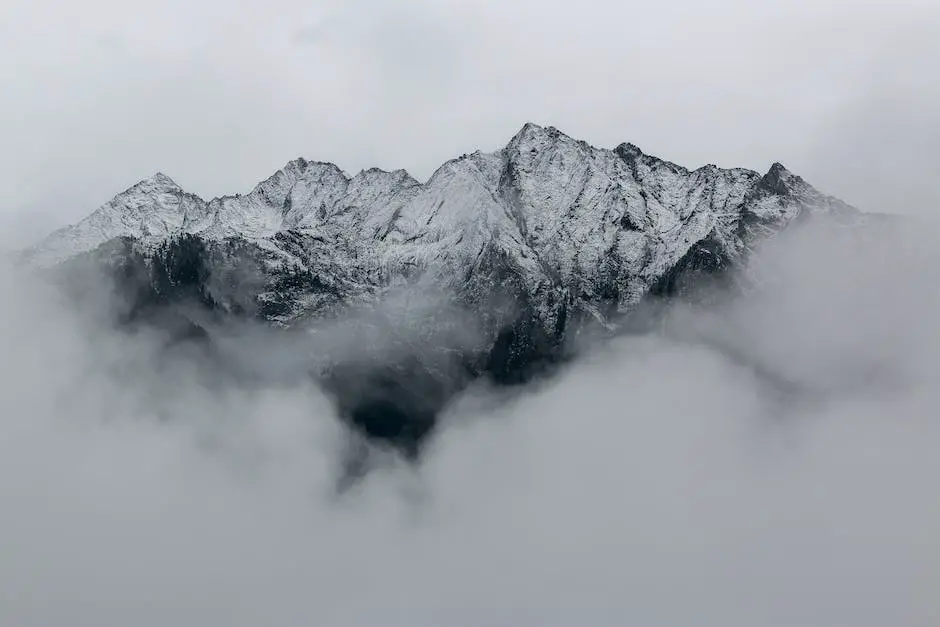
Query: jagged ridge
point(593, 224)
point(538, 238)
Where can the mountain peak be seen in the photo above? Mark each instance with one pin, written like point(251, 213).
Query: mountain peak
point(400, 176)
point(306, 167)
point(298, 164)
point(529, 128)
point(533, 137)
point(562, 179)
point(537, 243)
point(158, 180)
point(779, 179)
point(628, 151)
point(778, 170)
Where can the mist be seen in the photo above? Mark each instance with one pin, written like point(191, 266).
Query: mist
point(767, 461)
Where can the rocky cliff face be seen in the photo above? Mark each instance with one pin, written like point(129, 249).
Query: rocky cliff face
point(522, 249)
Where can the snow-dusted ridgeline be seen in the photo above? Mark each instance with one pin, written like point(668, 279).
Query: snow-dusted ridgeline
point(535, 240)
point(562, 213)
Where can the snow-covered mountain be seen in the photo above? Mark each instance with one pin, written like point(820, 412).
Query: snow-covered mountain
point(590, 224)
point(536, 239)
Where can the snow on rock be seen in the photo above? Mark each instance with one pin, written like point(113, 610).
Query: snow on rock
point(150, 211)
point(570, 221)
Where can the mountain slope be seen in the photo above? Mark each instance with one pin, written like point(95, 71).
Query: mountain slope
point(598, 224)
point(534, 242)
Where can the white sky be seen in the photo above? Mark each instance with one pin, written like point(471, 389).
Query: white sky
point(101, 93)
point(683, 492)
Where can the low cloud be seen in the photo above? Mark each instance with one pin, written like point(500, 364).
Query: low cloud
point(766, 462)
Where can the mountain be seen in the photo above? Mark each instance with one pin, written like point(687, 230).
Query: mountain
point(523, 249)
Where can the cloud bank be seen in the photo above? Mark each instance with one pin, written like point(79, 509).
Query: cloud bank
point(767, 462)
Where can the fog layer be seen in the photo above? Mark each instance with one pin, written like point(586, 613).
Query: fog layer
point(769, 462)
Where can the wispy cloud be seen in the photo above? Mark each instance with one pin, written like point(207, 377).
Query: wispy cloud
point(658, 481)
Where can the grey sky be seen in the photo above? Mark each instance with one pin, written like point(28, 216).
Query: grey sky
point(102, 93)
point(656, 483)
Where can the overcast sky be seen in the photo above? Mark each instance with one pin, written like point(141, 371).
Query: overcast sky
point(101, 93)
point(658, 482)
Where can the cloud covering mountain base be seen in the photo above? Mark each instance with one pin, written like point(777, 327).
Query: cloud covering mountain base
point(768, 461)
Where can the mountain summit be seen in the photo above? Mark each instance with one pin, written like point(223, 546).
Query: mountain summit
point(537, 241)
point(593, 223)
